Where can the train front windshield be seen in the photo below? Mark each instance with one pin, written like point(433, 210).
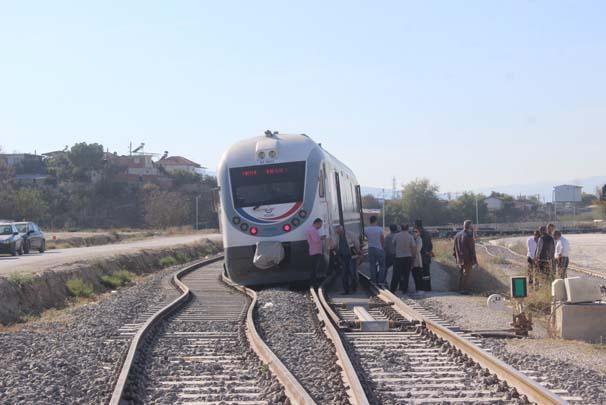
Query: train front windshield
point(255, 186)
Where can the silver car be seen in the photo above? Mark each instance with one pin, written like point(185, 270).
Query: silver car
point(10, 240)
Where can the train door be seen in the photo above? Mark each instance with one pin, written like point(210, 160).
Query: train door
point(339, 200)
point(360, 211)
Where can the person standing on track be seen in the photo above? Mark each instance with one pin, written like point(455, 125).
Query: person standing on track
point(531, 248)
point(417, 265)
point(315, 241)
point(376, 254)
point(544, 255)
point(390, 252)
point(405, 250)
point(562, 250)
point(426, 254)
point(464, 251)
point(344, 244)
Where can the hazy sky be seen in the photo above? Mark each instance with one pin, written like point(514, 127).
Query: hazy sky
point(468, 94)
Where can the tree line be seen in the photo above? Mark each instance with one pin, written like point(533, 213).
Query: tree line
point(420, 199)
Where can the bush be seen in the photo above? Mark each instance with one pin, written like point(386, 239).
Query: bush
point(539, 301)
point(168, 261)
point(21, 279)
point(182, 257)
point(110, 281)
point(78, 288)
point(117, 279)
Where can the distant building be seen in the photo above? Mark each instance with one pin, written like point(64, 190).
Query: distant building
point(567, 193)
point(493, 203)
point(174, 164)
point(13, 159)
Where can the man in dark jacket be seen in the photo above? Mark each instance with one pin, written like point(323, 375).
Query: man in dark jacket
point(464, 252)
point(544, 254)
point(426, 254)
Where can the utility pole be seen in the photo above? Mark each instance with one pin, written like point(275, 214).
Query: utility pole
point(383, 209)
point(477, 214)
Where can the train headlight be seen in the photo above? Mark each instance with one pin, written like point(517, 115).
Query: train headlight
point(236, 220)
point(244, 227)
point(296, 222)
point(286, 227)
point(272, 154)
point(254, 230)
point(302, 213)
point(261, 155)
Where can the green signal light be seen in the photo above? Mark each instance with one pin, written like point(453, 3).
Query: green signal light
point(519, 287)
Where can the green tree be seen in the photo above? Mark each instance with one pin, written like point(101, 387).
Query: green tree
point(464, 207)
point(85, 158)
point(167, 208)
point(29, 204)
point(420, 201)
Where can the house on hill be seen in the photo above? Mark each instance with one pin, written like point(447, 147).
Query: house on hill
point(174, 164)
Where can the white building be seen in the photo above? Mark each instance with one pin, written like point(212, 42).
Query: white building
point(493, 203)
point(567, 193)
point(174, 164)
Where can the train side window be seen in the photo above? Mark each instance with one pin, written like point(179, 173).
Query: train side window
point(322, 186)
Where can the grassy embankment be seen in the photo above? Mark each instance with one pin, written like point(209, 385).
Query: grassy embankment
point(28, 296)
point(493, 274)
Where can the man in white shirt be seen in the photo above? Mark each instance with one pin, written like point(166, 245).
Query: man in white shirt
point(531, 248)
point(562, 251)
point(376, 252)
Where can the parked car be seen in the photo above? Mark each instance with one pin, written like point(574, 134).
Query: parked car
point(10, 240)
point(33, 238)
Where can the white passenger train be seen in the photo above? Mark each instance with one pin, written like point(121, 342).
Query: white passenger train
point(271, 189)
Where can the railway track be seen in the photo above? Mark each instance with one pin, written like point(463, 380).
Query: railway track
point(402, 354)
point(203, 348)
point(503, 251)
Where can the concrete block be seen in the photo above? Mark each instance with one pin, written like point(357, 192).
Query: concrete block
point(582, 289)
point(558, 290)
point(585, 322)
point(368, 323)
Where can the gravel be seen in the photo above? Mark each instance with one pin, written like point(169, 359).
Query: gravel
point(286, 320)
point(74, 357)
point(577, 367)
point(201, 352)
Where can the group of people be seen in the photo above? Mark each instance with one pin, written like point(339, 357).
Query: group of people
point(547, 255)
point(406, 253)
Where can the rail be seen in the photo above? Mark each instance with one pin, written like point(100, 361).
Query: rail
point(524, 385)
point(357, 394)
point(142, 333)
point(294, 390)
point(571, 266)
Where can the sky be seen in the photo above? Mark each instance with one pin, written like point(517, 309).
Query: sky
point(469, 94)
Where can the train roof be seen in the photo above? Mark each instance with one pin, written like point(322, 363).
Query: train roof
point(289, 147)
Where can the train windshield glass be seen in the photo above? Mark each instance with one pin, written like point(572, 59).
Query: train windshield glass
point(255, 186)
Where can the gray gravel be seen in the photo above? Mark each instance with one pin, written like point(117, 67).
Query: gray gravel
point(201, 353)
point(286, 320)
point(577, 367)
point(74, 358)
point(582, 382)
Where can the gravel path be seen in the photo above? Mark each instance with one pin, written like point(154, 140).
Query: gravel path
point(74, 358)
point(286, 320)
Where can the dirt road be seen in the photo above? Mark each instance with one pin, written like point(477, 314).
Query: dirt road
point(57, 258)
